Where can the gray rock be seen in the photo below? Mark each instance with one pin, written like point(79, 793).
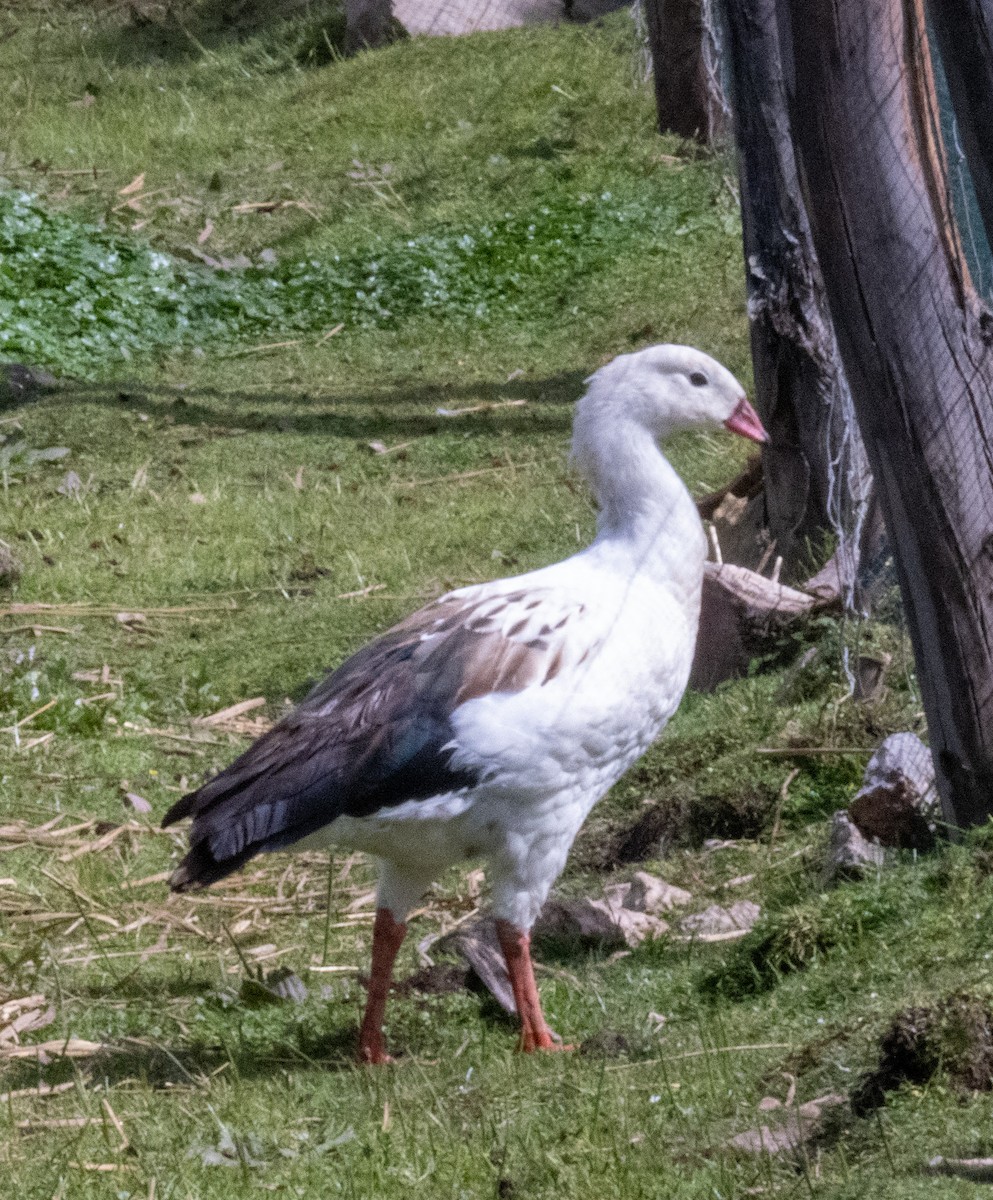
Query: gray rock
point(650, 894)
point(718, 922)
point(849, 854)
point(797, 1126)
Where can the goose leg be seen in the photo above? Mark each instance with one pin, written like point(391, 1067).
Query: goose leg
point(387, 937)
point(516, 946)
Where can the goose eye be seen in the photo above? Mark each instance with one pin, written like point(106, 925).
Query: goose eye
point(698, 379)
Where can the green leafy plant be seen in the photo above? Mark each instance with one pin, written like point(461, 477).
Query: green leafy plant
point(73, 295)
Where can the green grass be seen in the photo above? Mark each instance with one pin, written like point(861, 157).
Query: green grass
point(229, 494)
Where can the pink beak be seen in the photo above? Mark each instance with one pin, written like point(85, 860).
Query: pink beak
point(745, 420)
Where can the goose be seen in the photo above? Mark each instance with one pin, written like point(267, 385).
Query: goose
point(488, 723)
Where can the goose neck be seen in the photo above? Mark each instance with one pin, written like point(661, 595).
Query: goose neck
point(645, 509)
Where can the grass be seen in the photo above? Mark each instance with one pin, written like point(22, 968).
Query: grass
point(227, 492)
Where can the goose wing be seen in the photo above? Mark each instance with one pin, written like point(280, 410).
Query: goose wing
point(377, 732)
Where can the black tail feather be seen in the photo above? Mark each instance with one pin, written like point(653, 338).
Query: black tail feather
point(199, 869)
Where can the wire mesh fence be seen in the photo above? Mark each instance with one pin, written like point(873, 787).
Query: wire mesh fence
point(454, 17)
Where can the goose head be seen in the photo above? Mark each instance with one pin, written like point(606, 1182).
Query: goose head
point(667, 388)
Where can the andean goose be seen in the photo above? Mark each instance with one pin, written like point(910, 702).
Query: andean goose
point(488, 724)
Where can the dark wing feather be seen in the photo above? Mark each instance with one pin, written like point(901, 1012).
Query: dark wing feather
point(375, 733)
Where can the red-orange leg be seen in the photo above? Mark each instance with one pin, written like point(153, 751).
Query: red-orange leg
point(516, 947)
point(387, 937)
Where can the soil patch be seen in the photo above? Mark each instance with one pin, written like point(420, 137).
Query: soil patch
point(954, 1036)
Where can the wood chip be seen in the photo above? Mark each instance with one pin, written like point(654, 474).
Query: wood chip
point(62, 1048)
point(40, 1092)
point(232, 711)
point(42, 1125)
point(147, 881)
point(136, 185)
point(478, 408)
point(459, 476)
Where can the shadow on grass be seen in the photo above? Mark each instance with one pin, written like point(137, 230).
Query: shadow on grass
point(549, 400)
point(314, 33)
point(161, 1064)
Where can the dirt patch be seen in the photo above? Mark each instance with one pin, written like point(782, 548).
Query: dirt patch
point(608, 1043)
point(890, 815)
point(954, 1036)
point(441, 979)
point(681, 819)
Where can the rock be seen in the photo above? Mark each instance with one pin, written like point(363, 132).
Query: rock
point(282, 986)
point(637, 927)
point(719, 923)
point(898, 801)
point(455, 17)
point(607, 924)
point(799, 1125)
point(623, 919)
point(592, 922)
point(849, 854)
point(650, 894)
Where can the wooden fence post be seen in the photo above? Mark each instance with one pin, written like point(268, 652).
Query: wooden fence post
point(685, 96)
point(916, 344)
point(800, 386)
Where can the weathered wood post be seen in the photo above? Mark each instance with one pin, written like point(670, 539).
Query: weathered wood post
point(800, 386)
point(916, 344)
point(687, 96)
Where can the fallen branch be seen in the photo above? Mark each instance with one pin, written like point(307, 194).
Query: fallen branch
point(460, 475)
point(366, 591)
point(232, 711)
point(62, 1048)
point(41, 1091)
point(803, 751)
point(80, 609)
point(478, 408)
point(745, 1049)
point(979, 1170)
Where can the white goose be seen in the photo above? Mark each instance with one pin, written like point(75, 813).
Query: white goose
point(490, 722)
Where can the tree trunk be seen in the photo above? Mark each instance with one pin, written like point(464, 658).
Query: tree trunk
point(813, 462)
point(687, 94)
point(915, 342)
point(964, 31)
point(368, 23)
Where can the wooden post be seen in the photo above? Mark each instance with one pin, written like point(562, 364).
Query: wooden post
point(964, 30)
point(800, 387)
point(916, 344)
point(687, 99)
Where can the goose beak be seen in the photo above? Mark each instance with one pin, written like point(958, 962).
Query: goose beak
point(745, 421)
